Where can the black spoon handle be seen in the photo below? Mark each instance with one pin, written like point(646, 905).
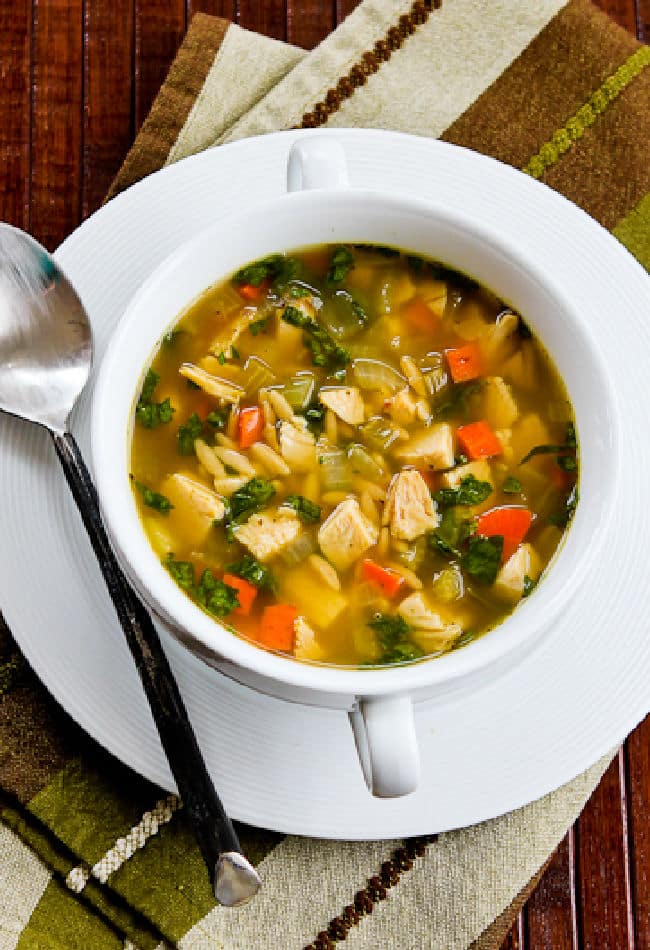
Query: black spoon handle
point(212, 827)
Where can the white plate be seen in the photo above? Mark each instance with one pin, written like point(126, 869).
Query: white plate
point(293, 768)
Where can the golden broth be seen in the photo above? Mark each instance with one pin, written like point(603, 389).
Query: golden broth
point(348, 427)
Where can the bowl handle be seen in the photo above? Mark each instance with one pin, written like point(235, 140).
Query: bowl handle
point(317, 161)
point(384, 734)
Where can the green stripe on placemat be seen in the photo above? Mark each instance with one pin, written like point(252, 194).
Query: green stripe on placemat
point(575, 127)
point(634, 232)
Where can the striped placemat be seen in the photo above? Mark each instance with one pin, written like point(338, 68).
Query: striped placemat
point(92, 855)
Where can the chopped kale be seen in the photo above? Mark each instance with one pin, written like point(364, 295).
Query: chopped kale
point(277, 269)
point(154, 499)
point(307, 510)
point(217, 418)
point(221, 358)
point(315, 416)
point(234, 353)
point(181, 571)
point(568, 463)
point(563, 517)
point(567, 449)
point(450, 535)
point(254, 572)
point(341, 264)
point(324, 350)
point(453, 399)
point(529, 585)
point(148, 413)
point(393, 635)
point(299, 290)
point(188, 434)
point(483, 558)
point(470, 492)
point(216, 597)
point(512, 486)
point(258, 326)
point(251, 497)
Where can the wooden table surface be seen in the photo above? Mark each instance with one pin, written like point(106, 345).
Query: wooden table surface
point(76, 80)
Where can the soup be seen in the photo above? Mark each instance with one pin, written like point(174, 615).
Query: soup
point(353, 455)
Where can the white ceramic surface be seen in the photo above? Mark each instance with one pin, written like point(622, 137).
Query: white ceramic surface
point(509, 740)
point(323, 207)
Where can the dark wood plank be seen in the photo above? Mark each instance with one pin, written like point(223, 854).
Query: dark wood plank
point(15, 63)
point(516, 937)
point(223, 8)
point(643, 20)
point(159, 29)
point(638, 776)
point(345, 7)
point(56, 119)
point(551, 922)
point(623, 11)
point(264, 16)
point(309, 21)
point(108, 95)
point(606, 917)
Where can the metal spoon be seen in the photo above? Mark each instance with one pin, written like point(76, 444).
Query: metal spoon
point(45, 359)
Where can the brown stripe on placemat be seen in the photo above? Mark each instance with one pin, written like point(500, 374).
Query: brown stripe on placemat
point(522, 109)
point(369, 63)
point(376, 890)
point(174, 102)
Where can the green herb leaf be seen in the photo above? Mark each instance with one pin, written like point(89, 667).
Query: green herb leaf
point(148, 413)
point(221, 358)
point(529, 585)
point(470, 492)
point(512, 486)
point(483, 558)
point(562, 518)
point(392, 633)
point(453, 400)
point(217, 418)
point(297, 291)
point(315, 416)
point(543, 450)
point(251, 497)
point(154, 499)
point(324, 350)
point(254, 572)
point(188, 434)
point(400, 653)
point(258, 326)
point(216, 597)
point(277, 269)
point(568, 463)
point(450, 535)
point(569, 448)
point(181, 571)
point(307, 510)
point(341, 264)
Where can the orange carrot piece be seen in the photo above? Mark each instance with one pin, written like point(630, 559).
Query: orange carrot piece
point(276, 629)
point(246, 593)
point(417, 313)
point(250, 424)
point(510, 522)
point(384, 578)
point(251, 292)
point(478, 440)
point(465, 362)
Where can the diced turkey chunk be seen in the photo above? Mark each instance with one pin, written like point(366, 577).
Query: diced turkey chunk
point(432, 448)
point(305, 646)
point(499, 406)
point(509, 585)
point(222, 389)
point(434, 641)
point(265, 535)
point(409, 508)
point(431, 633)
point(346, 534)
point(480, 469)
point(297, 447)
point(345, 402)
point(402, 407)
point(228, 336)
point(196, 507)
point(415, 610)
